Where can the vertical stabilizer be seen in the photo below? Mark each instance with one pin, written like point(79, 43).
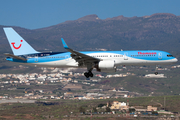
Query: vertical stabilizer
point(18, 45)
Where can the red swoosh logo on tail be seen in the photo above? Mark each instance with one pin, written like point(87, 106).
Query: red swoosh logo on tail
point(15, 46)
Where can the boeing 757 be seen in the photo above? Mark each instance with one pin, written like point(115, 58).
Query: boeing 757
point(102, 61)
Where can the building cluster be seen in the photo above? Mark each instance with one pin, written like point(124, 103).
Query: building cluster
point(155, 76)
point(117, 106)
point(87, 96)
point(33, 78)
point(97, 95)
point(66, 95)
point(55, 75)
point(119, 75)
point(115, 75)
point(68, 82)
point(176, 66)
point(65, 77)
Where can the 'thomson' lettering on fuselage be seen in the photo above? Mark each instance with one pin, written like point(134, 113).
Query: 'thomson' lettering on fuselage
point(147, 53)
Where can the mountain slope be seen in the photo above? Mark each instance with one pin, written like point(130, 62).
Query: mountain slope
point(159, 31)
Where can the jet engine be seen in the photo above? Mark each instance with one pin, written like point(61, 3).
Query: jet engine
point(106, 66)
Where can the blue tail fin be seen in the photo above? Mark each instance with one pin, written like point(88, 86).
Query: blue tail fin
point(18, 45)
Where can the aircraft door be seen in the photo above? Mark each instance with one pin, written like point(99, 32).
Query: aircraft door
point(126, 56)
point(160, 55)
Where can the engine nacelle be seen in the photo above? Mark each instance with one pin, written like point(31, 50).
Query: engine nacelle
point(106, 66)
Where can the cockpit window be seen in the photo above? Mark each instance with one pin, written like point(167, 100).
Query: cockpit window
point(169, 56)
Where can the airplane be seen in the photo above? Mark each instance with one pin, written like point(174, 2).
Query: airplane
point(102, 61)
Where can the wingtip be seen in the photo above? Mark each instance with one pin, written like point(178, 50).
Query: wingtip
point(64, 44)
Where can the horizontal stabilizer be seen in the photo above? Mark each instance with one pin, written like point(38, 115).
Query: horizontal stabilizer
point(15, 57)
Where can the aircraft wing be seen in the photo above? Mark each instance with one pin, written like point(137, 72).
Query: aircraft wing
point(80, 57)
point(15, 57)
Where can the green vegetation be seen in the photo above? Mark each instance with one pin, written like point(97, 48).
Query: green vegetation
point(72, 108)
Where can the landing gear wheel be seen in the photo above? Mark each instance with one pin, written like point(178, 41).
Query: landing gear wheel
point(90, 74)
point(156, 73)
point(86, 74)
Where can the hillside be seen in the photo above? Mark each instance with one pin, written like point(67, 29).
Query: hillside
point(159, 31)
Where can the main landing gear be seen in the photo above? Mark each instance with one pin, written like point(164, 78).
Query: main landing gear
point(88, 74)
point(89, 69)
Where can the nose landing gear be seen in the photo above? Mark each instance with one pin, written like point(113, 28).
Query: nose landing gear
point(156, 70)
point(155, 73)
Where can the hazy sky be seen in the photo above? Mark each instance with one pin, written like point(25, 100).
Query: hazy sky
point(33, 14)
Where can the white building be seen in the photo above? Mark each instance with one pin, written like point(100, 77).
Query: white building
point(155, 76)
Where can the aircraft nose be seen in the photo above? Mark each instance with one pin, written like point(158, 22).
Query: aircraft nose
point(175, 60)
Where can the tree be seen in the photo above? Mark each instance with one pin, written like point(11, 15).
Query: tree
point(131, 110)
point(68, 89)
point(94, 109)
point(101, 105)
point(109, 104)
point(108, 109)
point(81, 109)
